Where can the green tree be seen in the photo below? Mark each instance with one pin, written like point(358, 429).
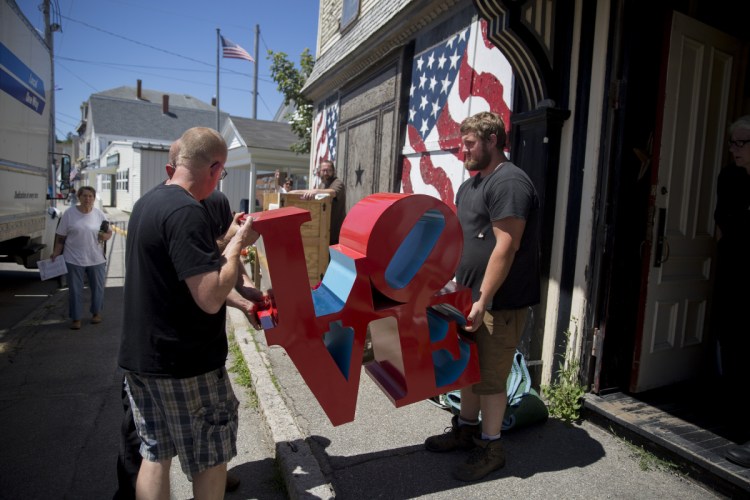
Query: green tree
point(289, 81)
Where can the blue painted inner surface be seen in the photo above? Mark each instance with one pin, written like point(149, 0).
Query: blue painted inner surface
point(338, 281)
point(329, 298)
point(450, 311)
point(438, 326)
point(340, 341)
point(447, 369)
point(414, 250)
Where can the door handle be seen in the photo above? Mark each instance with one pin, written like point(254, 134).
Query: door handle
point(662, 246)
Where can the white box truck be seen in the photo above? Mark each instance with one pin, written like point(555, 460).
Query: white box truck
point(27, 173)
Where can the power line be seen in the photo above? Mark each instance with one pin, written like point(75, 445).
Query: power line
point(66, 115)
point(265, 78)
point(138, 43)
point(76, 76)
point(122, 67)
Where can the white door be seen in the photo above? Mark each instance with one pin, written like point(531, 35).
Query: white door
point(700, 76)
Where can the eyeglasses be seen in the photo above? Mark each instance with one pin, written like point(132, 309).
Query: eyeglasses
point(223, 170)
point(739, 143)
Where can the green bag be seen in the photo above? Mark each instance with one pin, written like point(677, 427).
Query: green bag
point(525, 407)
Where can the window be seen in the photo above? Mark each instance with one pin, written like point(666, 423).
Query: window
point(349, 14)
point(123, 177)
point(113, 160)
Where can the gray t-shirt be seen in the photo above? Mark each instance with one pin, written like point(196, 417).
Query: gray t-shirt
point(507, 192)
point(338, 208)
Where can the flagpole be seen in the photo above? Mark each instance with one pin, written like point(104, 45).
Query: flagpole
point(218, 50)
point(255, 74)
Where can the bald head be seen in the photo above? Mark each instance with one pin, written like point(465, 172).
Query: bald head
point(198, 158)
point(174, 152)
point(200, 147)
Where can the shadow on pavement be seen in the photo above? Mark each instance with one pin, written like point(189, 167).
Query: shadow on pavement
point(411, 471)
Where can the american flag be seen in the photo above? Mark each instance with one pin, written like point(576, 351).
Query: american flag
point(461, 76)
point(326, 123)
point(233, 51)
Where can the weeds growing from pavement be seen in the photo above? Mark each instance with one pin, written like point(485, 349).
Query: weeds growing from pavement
point(240, 369)
point(243, 377)
point(274, 380)
point(564, 395)
point(647, 461)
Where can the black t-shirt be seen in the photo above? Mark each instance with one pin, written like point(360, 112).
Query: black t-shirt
point(338, 208)
point(165, 332)
point(507, 192)
point(219, 212)
point(732, 212)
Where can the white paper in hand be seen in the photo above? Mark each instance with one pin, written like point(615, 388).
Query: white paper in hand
point(49, 269)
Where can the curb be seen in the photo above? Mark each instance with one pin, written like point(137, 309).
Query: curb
point(301, 471)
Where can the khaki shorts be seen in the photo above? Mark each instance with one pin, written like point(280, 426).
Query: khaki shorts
point(497, 340)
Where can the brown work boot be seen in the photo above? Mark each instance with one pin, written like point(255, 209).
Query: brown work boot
point(233, 482)
point(455, 437)
point(487, 457)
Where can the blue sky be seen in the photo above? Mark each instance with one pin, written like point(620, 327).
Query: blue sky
point(171, 46)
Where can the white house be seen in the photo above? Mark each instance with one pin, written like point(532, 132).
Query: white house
point(125, 134)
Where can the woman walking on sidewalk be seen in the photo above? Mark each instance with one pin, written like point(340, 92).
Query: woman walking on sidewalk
point(79, 238)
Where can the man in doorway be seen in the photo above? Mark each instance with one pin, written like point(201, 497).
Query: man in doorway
point(334, 187)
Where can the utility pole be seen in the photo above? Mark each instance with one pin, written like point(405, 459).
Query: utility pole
point(218, 58)
point(253, 168)
point(255, 73)
point(49, 29)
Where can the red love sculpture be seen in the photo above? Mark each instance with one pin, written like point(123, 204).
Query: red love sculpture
point(392, 272)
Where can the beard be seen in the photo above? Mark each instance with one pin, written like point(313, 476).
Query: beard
point(480, 162)
point(473, 166)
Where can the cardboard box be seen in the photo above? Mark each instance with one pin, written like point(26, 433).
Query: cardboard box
point(315, 233)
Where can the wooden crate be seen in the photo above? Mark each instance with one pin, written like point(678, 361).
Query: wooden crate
point(315, 233)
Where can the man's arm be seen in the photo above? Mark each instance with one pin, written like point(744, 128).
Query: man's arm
point(336, 187)
point(209, 290)
point(223, 240)
point(246, 288)
point(234, 299)
point(308, 194)
point(244, 296)
point(508, 233)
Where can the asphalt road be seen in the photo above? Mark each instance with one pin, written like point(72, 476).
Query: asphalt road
point(21, 291)
point(60, 408)
point(60, 414)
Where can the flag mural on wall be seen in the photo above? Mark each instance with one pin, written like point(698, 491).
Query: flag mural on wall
point(462, 75)
point(326, 125)
point(326, 135)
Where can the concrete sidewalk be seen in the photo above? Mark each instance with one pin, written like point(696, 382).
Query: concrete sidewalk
point(381, 455)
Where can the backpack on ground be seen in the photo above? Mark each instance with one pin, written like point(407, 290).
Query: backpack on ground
point(525, 407)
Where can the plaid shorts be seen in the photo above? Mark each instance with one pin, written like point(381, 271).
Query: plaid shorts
point(194, 418)
point(497, 340)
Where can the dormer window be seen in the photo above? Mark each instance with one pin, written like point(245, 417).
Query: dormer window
point(349, 14)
